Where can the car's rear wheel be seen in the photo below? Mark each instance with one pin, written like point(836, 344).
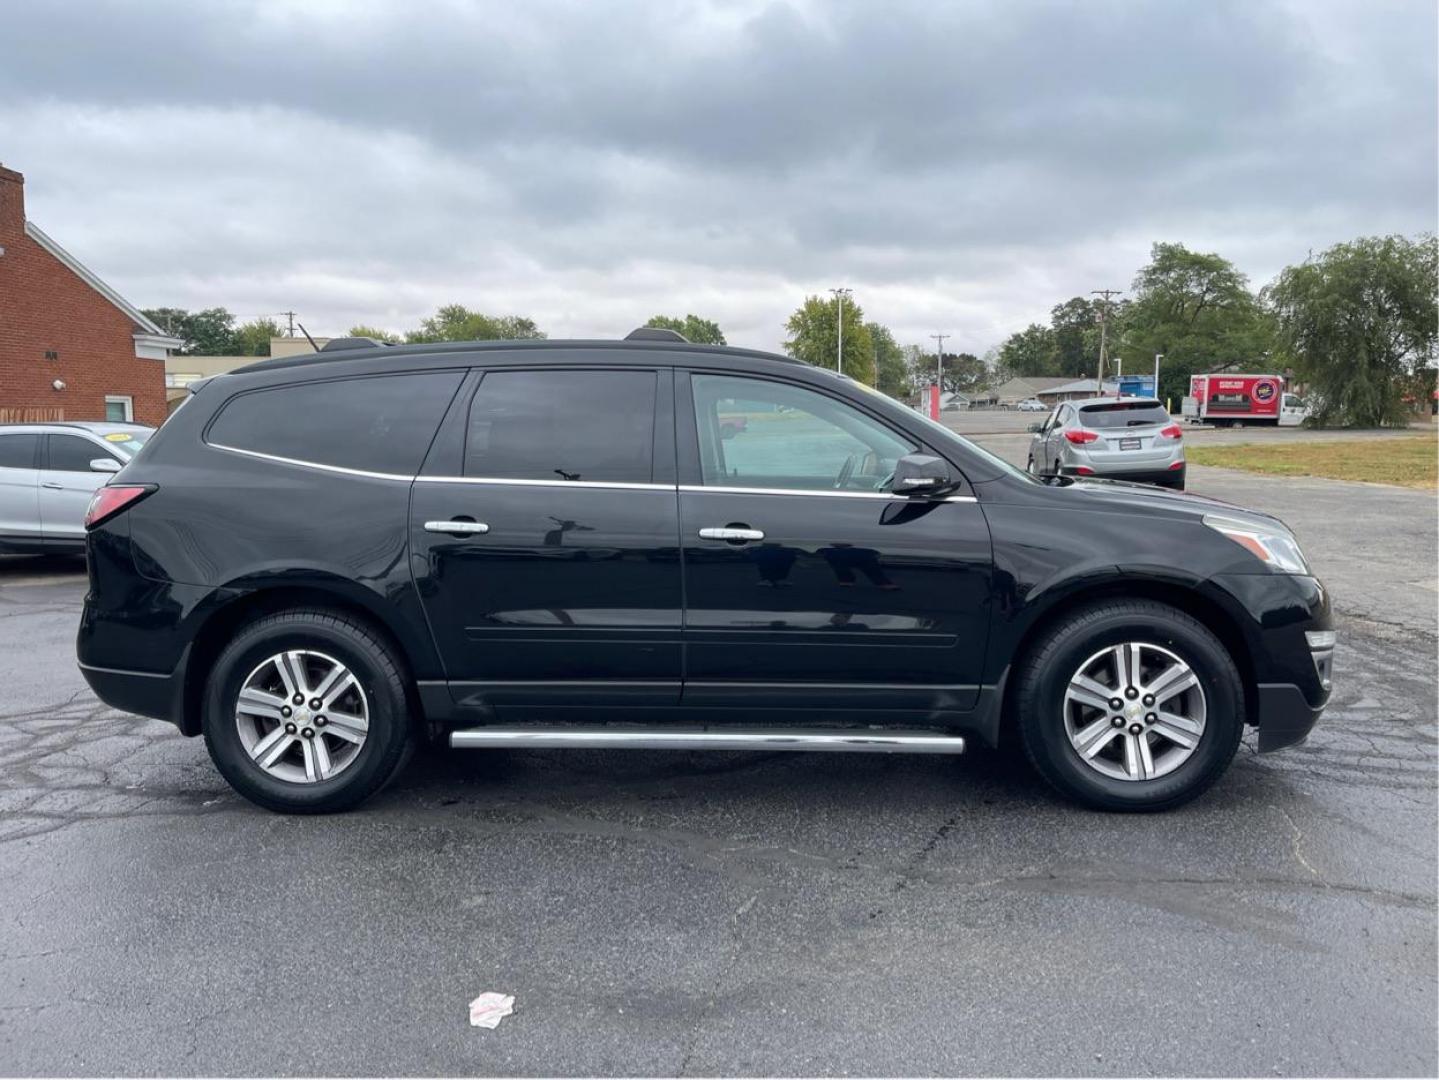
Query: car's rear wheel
point(1130, 705)
point(306, 712)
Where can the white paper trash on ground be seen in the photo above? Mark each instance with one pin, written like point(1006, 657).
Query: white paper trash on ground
point(490, 1008)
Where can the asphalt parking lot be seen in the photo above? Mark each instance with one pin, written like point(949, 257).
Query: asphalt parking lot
point(663, 913)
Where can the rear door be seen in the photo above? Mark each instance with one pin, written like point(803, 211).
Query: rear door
point(19, 484)
point(807, 583)
point(66, 483)
point(545, 534)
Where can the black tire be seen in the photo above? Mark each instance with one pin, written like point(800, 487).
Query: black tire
point(1044, 676)
point(387, 743)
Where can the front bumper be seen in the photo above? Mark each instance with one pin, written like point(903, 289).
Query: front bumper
point(1285, 717)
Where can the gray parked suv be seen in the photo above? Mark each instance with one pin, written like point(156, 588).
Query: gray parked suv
point(48, 473)
point(1110, 438)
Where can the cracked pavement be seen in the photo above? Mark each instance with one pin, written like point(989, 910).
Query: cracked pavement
point(694, 914)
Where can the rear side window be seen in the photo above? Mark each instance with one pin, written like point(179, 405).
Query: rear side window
point(378, 423)
point(71, 453)
point(18, 451)
point(586, 426)
point(1123, 414)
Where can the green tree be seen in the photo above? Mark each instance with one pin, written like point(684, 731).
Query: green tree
point(205, 333)
point(964, 373)
point(814, 332)
point(691, 327)
point(1196, 309)
point(455, 322)
point(891, 372)
point(1031, 351)
point(1357, 323)
point(253, 338)
point(1076, 336)
point(374, 334)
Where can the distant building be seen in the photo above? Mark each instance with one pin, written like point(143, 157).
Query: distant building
point(1075, 389)
point(71, 347)
point(1022, 388)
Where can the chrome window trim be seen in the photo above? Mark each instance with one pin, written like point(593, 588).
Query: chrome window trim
point(516, 482)
point(342, 470)
point(887, 496)
point(505, 481)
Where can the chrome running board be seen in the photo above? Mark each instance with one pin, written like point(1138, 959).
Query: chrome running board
point(843, 740)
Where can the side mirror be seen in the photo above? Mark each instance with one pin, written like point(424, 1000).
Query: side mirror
point(104, 464)
point(1035, 429)
point(920, 474)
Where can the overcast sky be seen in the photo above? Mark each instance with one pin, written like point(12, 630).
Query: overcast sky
point(962, 166)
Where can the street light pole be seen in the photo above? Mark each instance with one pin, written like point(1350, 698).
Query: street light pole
point(840, 294)
point(1157, 357)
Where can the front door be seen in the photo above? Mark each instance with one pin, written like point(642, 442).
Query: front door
point(545, 539)
point(66, 484)
point(807, 583)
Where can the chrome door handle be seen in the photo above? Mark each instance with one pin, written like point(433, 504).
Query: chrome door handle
point(53, 487)
point(731, 533)
point(458, 528)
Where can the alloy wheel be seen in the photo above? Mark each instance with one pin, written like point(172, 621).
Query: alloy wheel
point(1134, 711)
point(302, 716)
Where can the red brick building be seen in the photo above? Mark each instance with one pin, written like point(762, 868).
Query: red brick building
point(71, 347)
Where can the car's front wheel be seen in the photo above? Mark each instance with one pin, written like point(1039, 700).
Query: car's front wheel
point(306, 712)
point(1130, 705)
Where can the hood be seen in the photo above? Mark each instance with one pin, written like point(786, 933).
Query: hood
point(1145, 498)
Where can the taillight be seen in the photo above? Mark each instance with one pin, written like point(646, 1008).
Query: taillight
point(1173, 431)
point(1083, 470)
point(1079, 435)
point(111, 499)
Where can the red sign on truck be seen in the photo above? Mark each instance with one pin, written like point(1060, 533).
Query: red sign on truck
point(1237, 397)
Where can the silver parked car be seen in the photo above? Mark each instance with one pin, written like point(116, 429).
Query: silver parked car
point(48, 473)
point(1131, 438)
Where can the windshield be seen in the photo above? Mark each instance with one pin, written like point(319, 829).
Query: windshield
point(1120, 414)
point(973, 447)
point(128, 442)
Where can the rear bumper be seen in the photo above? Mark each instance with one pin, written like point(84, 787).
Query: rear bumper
point(155, 694)
point(1285, 717)
point(1158, 475)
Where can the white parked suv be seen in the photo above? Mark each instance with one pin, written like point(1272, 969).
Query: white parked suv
point(48, 473)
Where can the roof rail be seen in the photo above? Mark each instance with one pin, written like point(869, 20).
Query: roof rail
point(655, 333)
point(341, 343)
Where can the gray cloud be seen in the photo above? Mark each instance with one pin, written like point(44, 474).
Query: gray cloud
point(963, 166)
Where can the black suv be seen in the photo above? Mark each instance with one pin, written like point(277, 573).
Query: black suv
point(319, 561)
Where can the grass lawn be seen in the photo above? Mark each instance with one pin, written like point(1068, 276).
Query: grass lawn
point(1410, 462)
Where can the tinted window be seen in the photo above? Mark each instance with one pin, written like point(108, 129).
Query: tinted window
point(1123, 414)
point(755, 433)
point(71, 453)
point(381, 423)
point(18, 451)
point(595, 426)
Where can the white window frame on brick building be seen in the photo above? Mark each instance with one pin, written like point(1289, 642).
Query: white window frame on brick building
point(127, 408)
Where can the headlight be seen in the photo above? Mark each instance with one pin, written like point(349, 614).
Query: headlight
point(1266, 543)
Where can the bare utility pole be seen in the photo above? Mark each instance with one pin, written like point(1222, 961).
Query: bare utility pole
point(290, 315)
point(939, 361)
point(840, 294)
point(1103, 333)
